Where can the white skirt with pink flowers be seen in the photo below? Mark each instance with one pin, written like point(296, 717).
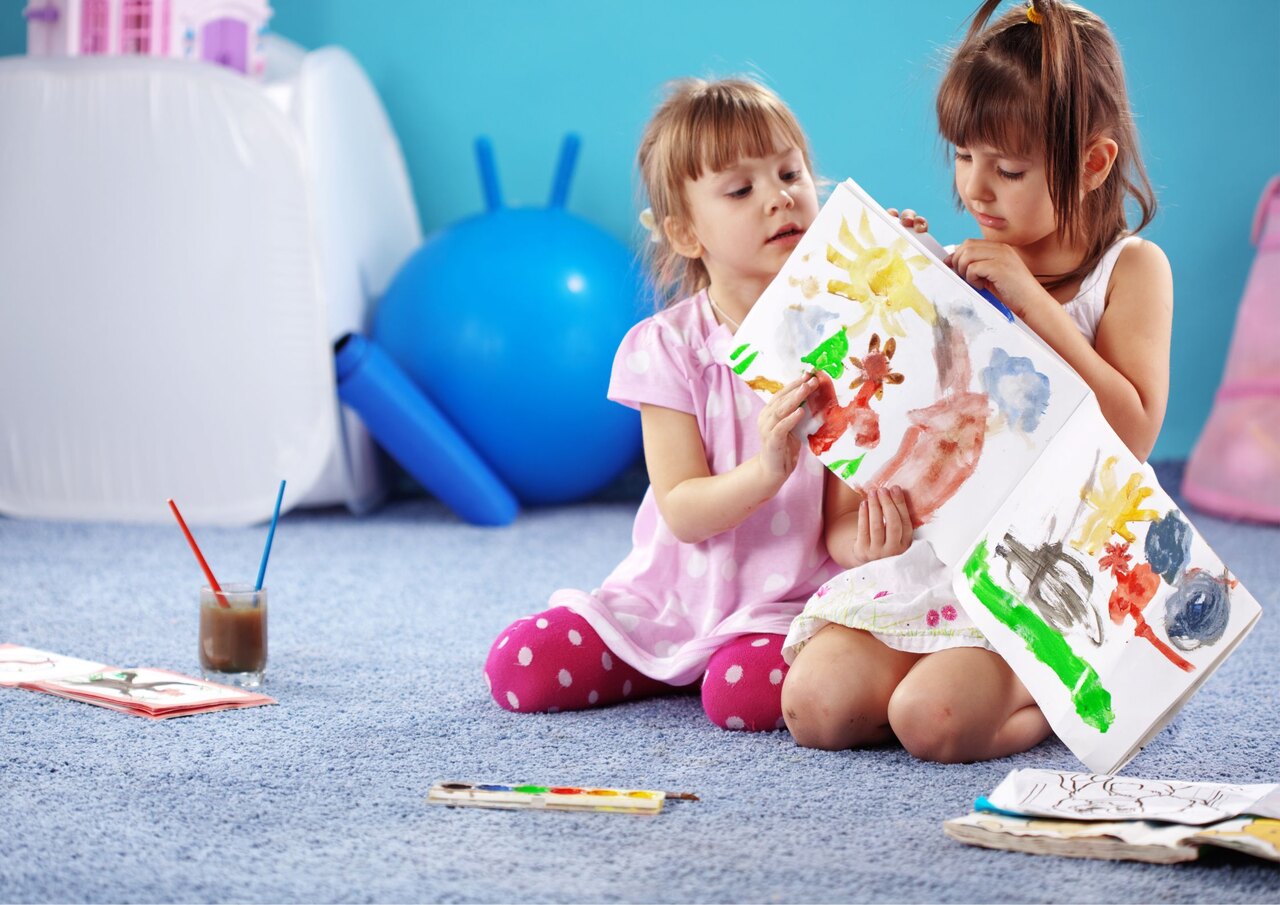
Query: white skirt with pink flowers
point(905, 601)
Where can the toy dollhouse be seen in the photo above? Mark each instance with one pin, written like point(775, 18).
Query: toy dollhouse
point(225, 32)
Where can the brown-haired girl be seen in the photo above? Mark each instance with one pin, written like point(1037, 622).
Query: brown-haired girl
point(728, 541)
point(1046, 156)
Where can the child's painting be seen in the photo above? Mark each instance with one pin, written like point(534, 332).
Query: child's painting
point(153, 693)
point(27, 664)
point(1071, 560)
point(1095, 588)
point(922, 382)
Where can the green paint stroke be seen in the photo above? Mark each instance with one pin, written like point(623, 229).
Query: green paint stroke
point(1092, 701)
point(830, 354)
point(741, 367)
point(846, 468)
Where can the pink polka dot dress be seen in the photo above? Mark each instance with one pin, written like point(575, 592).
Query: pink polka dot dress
point(669, 606)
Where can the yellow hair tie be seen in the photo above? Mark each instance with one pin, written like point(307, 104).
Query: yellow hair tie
point(1033, 14)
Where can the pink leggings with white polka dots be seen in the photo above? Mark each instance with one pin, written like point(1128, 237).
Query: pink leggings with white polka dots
point(555, 661)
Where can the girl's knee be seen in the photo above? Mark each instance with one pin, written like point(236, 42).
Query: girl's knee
point(803, 717)
point(940, 732)
point(509, 671)
point(742, 688)
point(954, 707)
point(535, 662)
point(823, 712)
point(931, 725)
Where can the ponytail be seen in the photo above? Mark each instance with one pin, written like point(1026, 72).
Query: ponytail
point(1063, 97)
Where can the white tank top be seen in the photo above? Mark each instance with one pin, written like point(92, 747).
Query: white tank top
point(1085, 310)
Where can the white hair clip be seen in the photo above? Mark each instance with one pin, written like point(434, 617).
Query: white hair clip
point(647, 221)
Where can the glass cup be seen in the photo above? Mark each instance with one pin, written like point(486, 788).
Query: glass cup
point(233, 637)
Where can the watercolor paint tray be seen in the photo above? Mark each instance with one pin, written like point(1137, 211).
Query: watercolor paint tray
point(529, 796)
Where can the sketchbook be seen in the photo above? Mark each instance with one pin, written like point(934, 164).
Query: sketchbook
point(1128, 840)
point(1082, 815)
point(156, 694)
point(1077, 567)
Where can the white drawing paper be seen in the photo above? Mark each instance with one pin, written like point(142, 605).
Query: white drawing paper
point(1091, 796)
point(27, 664)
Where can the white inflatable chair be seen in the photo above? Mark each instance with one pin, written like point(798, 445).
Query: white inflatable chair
point(179, 248)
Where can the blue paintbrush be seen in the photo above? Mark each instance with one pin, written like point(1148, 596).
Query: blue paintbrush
point(271, 533)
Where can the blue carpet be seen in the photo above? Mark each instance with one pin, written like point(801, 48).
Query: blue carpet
point(379, 626)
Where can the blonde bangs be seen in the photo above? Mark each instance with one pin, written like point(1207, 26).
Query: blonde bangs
point(740, 124)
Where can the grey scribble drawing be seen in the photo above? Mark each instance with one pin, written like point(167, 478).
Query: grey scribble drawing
point(1058, 584)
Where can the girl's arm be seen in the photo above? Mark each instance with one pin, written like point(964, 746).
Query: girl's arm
point(697, 504)
point(1133, 339)
point(1128, 366)
point(863, 525)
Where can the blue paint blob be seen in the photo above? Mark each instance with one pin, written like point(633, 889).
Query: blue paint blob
point(489, 787)
point(1168, 546)
point(1019, 391)
point(802, 329)
point(1196, 613)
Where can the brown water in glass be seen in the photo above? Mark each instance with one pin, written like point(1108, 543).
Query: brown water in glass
point(233, 639)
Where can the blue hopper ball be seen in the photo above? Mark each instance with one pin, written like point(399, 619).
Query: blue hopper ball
point(509, 321)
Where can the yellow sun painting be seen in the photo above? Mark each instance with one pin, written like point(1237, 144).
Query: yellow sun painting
point(879, 278)
point(1114, 508)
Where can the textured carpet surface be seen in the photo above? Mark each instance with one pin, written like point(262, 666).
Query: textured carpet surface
point(379, 626)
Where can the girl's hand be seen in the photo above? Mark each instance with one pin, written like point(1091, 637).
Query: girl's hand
point(993, 265)
point(910, 219)
point(779, 448)
point(884, 524)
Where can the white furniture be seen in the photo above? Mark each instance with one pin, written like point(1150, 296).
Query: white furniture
point(179, 248)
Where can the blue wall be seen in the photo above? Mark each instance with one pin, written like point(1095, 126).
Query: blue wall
point(860, 76)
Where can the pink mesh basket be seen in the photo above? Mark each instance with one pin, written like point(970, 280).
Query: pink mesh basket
point(1234, 469)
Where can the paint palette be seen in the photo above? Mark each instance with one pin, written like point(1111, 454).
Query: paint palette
point(520, 796)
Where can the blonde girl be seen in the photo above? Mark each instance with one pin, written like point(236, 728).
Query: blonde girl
point(728, 542)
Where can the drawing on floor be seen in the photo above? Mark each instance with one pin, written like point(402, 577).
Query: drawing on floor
point(1093, 796)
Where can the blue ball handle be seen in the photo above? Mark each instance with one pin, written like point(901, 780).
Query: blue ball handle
point(413, 431)
point(488, 175)
point(564, 170)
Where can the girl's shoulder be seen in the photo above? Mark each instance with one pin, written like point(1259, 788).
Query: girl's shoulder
point(682, 324)
point(662, 358)
point(1141, 255)
point(1141, 263)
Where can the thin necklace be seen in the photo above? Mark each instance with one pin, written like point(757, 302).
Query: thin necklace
point(720, 311)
